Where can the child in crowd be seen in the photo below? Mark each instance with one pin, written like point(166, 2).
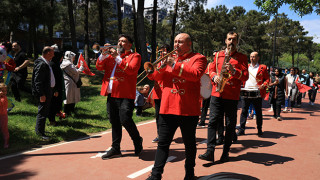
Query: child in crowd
point(4, 114)
point(139, 101)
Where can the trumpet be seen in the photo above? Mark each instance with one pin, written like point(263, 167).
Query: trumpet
point(104, 50)
point(149, 67)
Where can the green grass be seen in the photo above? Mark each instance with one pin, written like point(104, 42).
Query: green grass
point(90, 117)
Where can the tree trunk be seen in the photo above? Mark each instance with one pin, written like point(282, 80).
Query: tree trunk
point(119, 17)
point(72, 26)
point(292, 54)
point(142, 34)
point(154, 30)
point(101, 21)
point(174, 20)
point(50, 22)
point(134, 17)
point(86, 29)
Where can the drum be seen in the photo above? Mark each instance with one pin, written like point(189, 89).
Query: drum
point(250, 93)
point(206, 86)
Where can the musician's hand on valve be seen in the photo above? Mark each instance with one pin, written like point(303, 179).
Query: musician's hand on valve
point(113, 52)
point(169, 61)
point(216, 79)
point(229, 67)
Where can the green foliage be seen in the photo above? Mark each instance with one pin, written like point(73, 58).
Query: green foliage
point(301, 7)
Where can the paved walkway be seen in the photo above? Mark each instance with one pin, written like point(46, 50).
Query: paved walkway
point(289, 149)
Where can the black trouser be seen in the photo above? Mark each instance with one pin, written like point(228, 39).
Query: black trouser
point(312, 94)
point(69, 108)
point(43, 112)
point(157, 103)
point(257, 104)
point(276, 108)
point(55, 107)
point(139, 110)
point(18, 83)
point(299, 98)
point(168, 127)
point(120, 112)
point(204, 111)
point(218, 109)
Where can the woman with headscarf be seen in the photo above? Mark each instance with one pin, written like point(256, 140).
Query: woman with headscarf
point(291, 90)
point(71, 75)
point(277, 87)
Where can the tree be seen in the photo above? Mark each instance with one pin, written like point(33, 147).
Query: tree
point(86, 29)
point(119, 13)
point(142, 35)
point(302, 7)
point(72, 26)
point(154, 30)
point(174, 20)
point(101, 22)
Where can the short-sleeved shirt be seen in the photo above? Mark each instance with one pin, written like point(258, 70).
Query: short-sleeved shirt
point(19, 59)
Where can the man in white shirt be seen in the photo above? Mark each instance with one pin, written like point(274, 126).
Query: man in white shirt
point(43, 82)
point(256, 84)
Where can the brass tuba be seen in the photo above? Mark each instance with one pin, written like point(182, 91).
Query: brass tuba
point(224, 74)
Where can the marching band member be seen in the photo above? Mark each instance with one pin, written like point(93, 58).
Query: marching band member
point(119, 84)
point(224, 103)
point(180, 106)
point(258, 79)
point(157, 90)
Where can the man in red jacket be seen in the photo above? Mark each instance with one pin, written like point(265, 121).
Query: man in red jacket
point(257, 83)
point(180, 106)
point(119, 84)
point(225, 103)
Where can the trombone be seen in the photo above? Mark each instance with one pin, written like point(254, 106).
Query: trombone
point(149, 67)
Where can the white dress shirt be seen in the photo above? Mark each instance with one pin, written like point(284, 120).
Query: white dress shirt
point(118, 60)
point(252, 81)
point(52, 80)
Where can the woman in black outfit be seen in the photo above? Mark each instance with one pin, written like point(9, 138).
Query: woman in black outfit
point(56, 101)
point(277, 87)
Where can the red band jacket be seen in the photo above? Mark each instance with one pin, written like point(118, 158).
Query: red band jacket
point(233, 85)
point(125, 76)
point(181, 85)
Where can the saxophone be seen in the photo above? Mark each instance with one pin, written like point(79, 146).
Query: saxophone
point(224, 74)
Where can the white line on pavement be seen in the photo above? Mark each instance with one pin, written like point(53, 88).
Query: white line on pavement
point(147, 169)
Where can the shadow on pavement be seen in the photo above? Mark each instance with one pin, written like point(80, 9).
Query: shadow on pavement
point(227, 175)
point(262, 158)
point(276, 135)
point(251, 144)
point(8, 171)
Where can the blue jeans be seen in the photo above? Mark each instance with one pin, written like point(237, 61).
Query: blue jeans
point(251, 108)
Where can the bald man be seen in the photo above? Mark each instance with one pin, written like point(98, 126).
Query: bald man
point(256, 84)
point(180, 106)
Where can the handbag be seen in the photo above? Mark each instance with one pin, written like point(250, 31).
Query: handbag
point(78, 83)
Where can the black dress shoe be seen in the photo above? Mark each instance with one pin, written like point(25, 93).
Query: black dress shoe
point(153, 177)
point(138, 147)
point(43, 136)
point(112, 153)
point(260, 133)
point(208, 156)
point(189, 177)
point(219, 142)
point(240, 132)
point(224, 157)
point(235, 138)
